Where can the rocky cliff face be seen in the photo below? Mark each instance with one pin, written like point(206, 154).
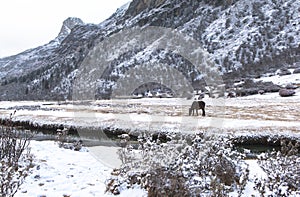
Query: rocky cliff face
point(138, 6)
point(67, 26)
point(245, 38)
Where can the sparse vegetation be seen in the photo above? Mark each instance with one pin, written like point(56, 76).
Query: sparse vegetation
point(64, 141)
point(202, 165)
point(282, 169)
point(184, 166)
point(15, 159)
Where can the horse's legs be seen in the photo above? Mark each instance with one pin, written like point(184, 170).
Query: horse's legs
point(203, 112)
point(190, 111)
point(197, 112)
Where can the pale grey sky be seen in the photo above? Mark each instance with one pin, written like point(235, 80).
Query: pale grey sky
point(28, 24)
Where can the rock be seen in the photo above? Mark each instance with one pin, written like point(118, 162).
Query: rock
point(67, 26)
point(296, 71)
point(137, 6)
point(283, 71)
point(231, 94)
point(286, 92)
point(246, 91)
point(270, 87)
point(251, 87)
point(291, 87)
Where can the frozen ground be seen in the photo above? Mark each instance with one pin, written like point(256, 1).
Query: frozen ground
point(61, 172)
point(243, 114)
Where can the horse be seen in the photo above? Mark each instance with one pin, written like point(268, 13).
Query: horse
point(196, 105)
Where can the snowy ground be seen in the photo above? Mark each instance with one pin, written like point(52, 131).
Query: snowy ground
point(61, 172)
point(258, 112)
point(255, 172)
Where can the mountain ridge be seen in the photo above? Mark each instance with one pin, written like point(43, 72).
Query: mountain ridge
point(246, 39)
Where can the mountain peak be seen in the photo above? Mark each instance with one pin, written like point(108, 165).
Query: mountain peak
point(67, 26)
point(246, 39)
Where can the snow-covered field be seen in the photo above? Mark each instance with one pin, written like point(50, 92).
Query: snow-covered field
point(60, 172)
point(258, 112)
point(64, 172)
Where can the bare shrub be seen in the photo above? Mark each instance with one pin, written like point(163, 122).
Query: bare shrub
point(63, 140)
point(282, 169)
point(15, 158)
point(150, 167)
point(184, 166)
point(62, 137)
point(166, 182)
point(213, 167)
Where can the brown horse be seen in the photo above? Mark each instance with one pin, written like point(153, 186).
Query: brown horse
point(196, 105)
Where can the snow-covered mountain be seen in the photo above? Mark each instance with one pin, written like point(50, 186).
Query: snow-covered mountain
point(67, 27)
point(245, 38)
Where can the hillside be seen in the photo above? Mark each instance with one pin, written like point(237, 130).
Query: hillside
point(246, 39)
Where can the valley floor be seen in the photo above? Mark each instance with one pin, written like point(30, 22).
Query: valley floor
point(256, 113)
point(61, 172)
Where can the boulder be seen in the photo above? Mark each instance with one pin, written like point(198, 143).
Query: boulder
point(286, 92)
point(283, 71)
point(291, 87)
point(231, 94)
point(296, 71)
point(270, 87)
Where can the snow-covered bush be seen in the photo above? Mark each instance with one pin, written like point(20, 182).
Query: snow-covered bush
point(184, 166)
point(213, 167)
point(15, 159)
point(282, 169)
point(63, 140)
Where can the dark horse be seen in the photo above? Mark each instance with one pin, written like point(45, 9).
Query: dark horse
point(196, 106)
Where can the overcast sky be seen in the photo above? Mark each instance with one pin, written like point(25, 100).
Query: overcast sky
point(27, 24)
